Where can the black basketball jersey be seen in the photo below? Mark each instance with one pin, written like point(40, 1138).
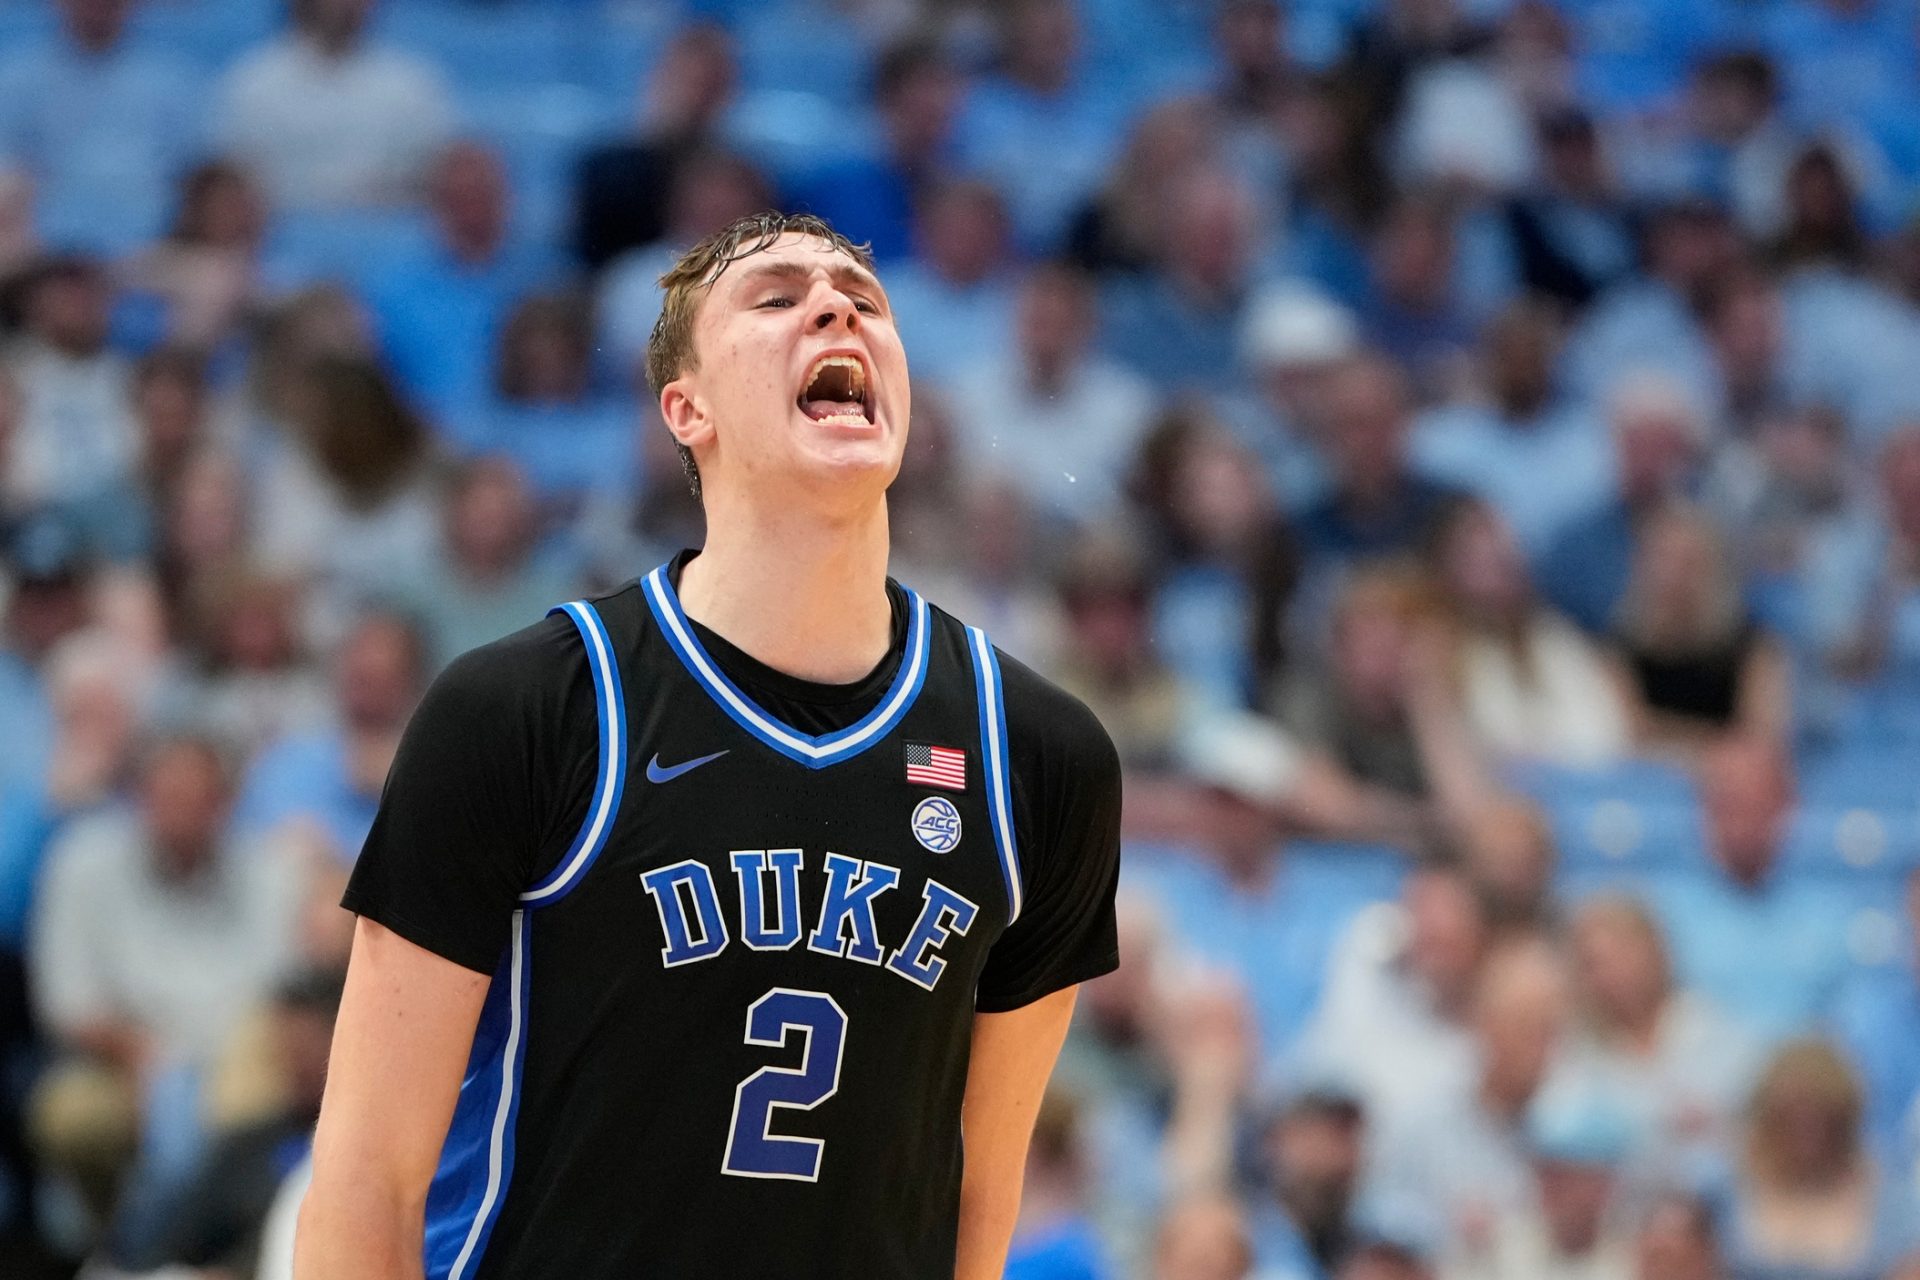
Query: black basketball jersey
point(737, 940)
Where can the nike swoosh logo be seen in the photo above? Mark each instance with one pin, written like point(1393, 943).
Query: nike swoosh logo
point(656, 772)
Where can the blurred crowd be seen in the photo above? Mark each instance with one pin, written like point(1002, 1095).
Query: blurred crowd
point(1466, 451)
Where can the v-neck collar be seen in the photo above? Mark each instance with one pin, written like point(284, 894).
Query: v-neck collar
point(816, 751)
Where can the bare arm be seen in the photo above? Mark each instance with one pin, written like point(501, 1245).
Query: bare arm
point(405, 1029)
point(1013, 1054)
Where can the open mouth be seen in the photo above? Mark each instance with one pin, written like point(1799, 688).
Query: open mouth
point(836, 391)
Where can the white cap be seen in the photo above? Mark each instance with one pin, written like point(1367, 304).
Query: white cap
point(1295, 324)
point(1243, 754)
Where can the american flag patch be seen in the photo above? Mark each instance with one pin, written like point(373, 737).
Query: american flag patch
point(931, 766)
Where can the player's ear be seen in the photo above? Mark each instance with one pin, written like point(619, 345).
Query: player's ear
point(685, 412)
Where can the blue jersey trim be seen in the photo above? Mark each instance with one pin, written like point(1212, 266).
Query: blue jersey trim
point(611, 705)
point(990, 695)
point(462, 1206)
point(816, 752)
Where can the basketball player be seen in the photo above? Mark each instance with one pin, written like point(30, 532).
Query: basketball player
point(698, 918)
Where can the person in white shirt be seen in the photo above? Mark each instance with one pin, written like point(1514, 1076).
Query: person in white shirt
point(330, 121)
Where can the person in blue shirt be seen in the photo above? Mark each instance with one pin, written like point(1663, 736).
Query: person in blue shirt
point(1178, 323)
point(439, 309)
point(101, 125)
point(330, 780)
point(955, 299)
point(916, 92)
point(1767, 947)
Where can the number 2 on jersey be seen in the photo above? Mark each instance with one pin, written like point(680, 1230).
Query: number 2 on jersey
point(752, 1150)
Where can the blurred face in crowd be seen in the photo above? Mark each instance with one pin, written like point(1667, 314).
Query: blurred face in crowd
point(1203, 1239)
point(1367, 419)
point(220, 209)
point(206, 523)
point(1574, 1199)
point(95, 25)
point(491, 522)
point(1570, 153)
point(184, 794)
point(919, 108)
point(468, 193)
point(335, 24)
point(1748, 329)
point(712, 189)
point(1043, 39)
point(170, 398)
point(1369, 656)
point(1119, 1004)
point(1446, 936)
point(1481, 565)
point(1621, 963)
point(1520, 1012)
point(1249, 34)
point(256, 626)
point(694, 81)
point(1900, 483)
point(1055, 321)
point(1746, 790)
point(758, 399)
point(378, 676)
point(963, 232)
point(1413, 257)
point(1804, 1119)
point(1654, 434)
point(1730, 99)
point(68, 310)
point(1211, 236)
point(1518, 352)
point(1510, 855)
point(1688, 246)
point(1314, 1153)
point(1676, 1242)
point(1219, 496)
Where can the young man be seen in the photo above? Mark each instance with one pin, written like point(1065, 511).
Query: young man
point(698, 917)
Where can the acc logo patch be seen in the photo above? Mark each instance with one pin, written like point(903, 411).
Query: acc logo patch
point(936, 824)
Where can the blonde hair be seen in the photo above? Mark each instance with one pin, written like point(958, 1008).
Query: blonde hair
point(1814, 1068)
point(1648, 623)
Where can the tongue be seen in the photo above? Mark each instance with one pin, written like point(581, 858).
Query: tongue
point(818, 409)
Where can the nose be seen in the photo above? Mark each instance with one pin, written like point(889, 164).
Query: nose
point(836, 308)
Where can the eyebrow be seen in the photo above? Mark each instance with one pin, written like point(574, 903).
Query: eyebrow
point(842, 273)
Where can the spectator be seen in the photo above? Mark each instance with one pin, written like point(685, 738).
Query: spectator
point(622, 188)
point(1772, 494)
point(1041, 130)
point(1507, 849)
point(916, 97)
point(1122, 229)
point(1575, 1230)
point(1292, 343)
point(1822, 227)
point(1877, 1021)
point(1806, 1198)
point(173, 403)
point(1768, 948)
point(204, 272)
point(1658, 437)
point(1460, 1149)
point(350, 501)
point(1520, 445)
point(954, 303)
point(489, 578)
point(1745, 144)
point(1229, 565)
point(1700, 667)
point(327, 782)
point(1859, 583)
point(1311, 1156)
point(710, 189)
point(153, 935)
point(1685, 1066)
point(1054, 1238)
point(1529, 685)
point(100, 124)
point(256, 686)
point(76, 443)
point(328, 119)
point(546, 413)
point(439, 310)
point(1250, 36)
point(1052, 418)
point(1178, 323)
point(1568, 235)
point(1412, 311)
point(214, 1220)
point(1379, 504)
point(1746, 327)
point(1397, 1009)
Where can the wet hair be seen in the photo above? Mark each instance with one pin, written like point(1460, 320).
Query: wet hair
point(670, 346)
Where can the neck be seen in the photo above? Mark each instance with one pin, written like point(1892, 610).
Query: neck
point(804, 595)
